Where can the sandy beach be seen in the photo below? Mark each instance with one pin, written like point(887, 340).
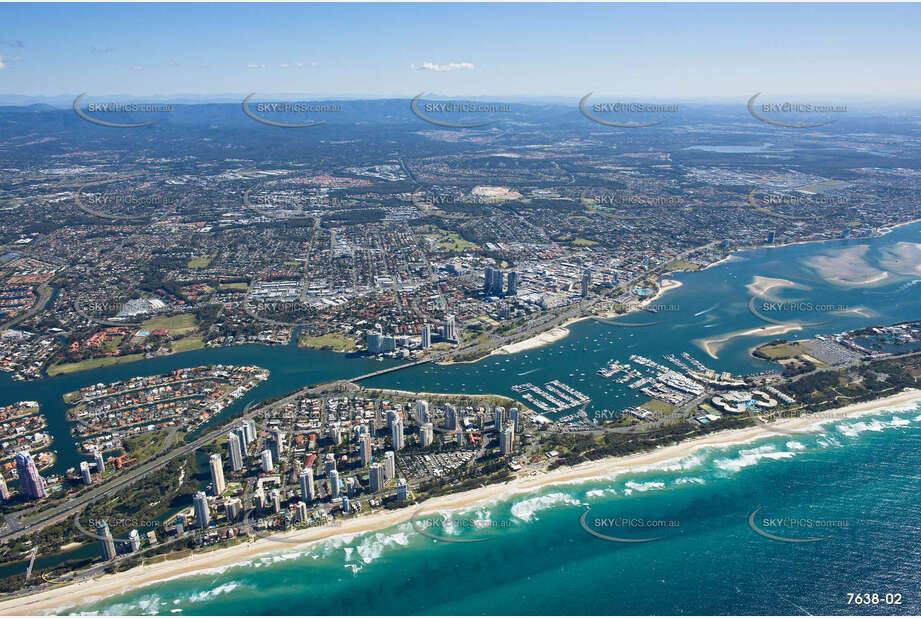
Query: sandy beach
point(107, 585)
point(712, 346)
point(545, 338)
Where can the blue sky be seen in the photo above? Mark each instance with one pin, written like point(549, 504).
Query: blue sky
point(653, 50)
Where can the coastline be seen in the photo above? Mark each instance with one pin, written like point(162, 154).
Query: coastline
point(62, 598)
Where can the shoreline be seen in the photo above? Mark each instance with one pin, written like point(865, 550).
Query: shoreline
point(69, 596)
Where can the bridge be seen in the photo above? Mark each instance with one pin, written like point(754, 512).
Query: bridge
point(381, 372)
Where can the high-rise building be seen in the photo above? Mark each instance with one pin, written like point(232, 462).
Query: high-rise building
point(134, 541)
point(334, 484)
point(402, 490)
point(513, 418)
point(249, 426)
point(500, 418)
point(450, 329)
point(233, 508)
point(426, 336)
point(390, 467)
point(376, 477)
point(770, 237)
point(100, 462)
point(422, 411)
point(586, 282)
point(106, 542)
point(397, 431)
point(234, 445)
point(335, 434)
point(301, 512)
point(488, 280)
point(31, 483)
point(277, 443)
point(200, 506)
point(507, 441)
point(451, 417)
point(329, 464)
point(512, 289)
point(240, 432)
point(346, 505)
point(426, 434)
point(4, 490)
point(267, 465)
point(85, 472)
point(276, 501)
point(217, 474)
point(307, 490)
point(351, 486)
point(364, 448)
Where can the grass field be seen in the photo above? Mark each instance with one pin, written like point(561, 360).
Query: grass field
point(146, 444)
point(202, 261)
point(176, 324)
point(451, 241)
point(330, 341)
point(233, 286)
point(675, 265)
point(782, 350)
point(192, 342)
point(92, 363)
point(583, 242)
point(659, 407)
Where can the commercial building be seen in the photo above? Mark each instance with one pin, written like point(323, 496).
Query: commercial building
point(106, 542)
point(202, 513)
point(426, 434)
point(390, 469)
point(334, 484)
point(217, 474)
point(235, 446)
point(306, 481)
point(134, 541)
point(31, 484)
point(397, 432)
point(376, 477)
point(267, 465)
point(85, 472)
point(364, 448)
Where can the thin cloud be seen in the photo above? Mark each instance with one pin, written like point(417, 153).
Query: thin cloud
point(101, 50)
point(15, 44)
point(255, 66)
point(137, 67)
point(6, 60)
point(296, 65)
point(173, 62)
point(451, 66)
